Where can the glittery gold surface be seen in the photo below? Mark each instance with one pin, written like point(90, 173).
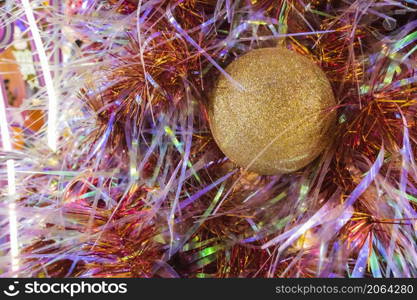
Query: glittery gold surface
point(281, 121)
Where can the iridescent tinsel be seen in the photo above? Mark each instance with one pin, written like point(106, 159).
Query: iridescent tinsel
point(138, 188)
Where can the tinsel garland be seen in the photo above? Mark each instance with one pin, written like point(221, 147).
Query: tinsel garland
point(137, 186)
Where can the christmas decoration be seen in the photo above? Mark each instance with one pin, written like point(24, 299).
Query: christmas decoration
point(109, 167)
point(279, 117)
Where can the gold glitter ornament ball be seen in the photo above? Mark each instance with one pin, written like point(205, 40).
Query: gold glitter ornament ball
point(281, 120)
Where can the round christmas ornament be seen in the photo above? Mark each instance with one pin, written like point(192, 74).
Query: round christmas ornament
point(280, 118)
